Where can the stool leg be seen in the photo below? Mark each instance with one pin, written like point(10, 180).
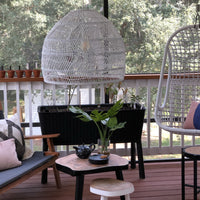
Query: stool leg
point(119, 176)
point(104, 198)
point(127, 197)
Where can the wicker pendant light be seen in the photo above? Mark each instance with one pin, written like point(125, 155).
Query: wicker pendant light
point(83, 48)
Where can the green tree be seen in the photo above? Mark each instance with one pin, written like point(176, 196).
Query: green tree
point(24, 25)
point(144, 25)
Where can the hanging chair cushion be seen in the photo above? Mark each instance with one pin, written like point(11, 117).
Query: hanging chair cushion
point(193, 118)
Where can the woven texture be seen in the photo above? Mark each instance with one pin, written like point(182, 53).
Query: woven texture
point(182, 62)
point(83, 47)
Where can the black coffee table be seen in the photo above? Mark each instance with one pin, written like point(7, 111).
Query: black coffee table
point(75, 166)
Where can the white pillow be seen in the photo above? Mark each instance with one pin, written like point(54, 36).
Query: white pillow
point(8, 155)
point(28, 153)
point(11, 128)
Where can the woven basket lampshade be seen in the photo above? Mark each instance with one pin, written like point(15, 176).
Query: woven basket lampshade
point(83, 48)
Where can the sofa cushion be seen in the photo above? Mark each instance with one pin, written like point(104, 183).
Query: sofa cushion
point(10, 128)
point(10, 175)
point(8, 155)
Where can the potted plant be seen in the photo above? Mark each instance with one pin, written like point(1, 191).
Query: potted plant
point(28, 71)
point(36, 71)
point(2, 72)
point(10, 72)
point(19, 72)
point(105, 121)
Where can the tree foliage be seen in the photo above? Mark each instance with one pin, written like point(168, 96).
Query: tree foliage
point(144, 25)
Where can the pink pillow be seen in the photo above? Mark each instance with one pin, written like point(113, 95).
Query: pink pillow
point(193, 118)
point(8, 155)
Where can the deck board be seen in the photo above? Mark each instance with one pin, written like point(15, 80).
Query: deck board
point(162, 182)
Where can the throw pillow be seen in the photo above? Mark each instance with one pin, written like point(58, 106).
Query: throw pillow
point(193, 118)
point(28, 153)
point(8, 155)
point(11, 128)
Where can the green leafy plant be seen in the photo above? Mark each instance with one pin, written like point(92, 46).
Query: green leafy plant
point(135, 102)
point(113, 91)
point(106, 122)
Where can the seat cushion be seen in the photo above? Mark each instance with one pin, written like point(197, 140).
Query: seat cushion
point(10, 175)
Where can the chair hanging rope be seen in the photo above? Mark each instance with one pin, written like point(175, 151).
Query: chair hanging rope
point(83, 48)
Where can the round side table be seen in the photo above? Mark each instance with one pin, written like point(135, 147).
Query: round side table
point(193, 153)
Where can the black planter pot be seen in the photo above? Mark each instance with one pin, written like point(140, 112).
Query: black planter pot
point(57, 119)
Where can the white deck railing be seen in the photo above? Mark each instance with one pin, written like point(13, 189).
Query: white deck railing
point(36, 92)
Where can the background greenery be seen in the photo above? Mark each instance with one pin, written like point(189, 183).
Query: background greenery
point(145, 26)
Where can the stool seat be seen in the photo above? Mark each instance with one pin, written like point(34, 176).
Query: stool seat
point(108, 187)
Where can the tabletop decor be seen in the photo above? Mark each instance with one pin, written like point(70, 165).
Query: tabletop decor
point(98, 159)
point(105, 121)
point(84, 151)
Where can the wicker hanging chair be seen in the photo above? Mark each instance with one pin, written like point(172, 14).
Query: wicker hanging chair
point(83, 47)
point(182, 62)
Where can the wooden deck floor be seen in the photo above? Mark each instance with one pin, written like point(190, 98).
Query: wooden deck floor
point(162, 182)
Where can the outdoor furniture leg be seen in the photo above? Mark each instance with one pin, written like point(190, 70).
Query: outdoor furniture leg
point(119, 176)
point(192, 154)
point(133, 164)
point(183, 175)
point(44, 176)
point(79, 187)
point(195, 179)
point(140, 160)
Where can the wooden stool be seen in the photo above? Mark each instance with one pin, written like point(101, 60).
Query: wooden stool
point(108, 187)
